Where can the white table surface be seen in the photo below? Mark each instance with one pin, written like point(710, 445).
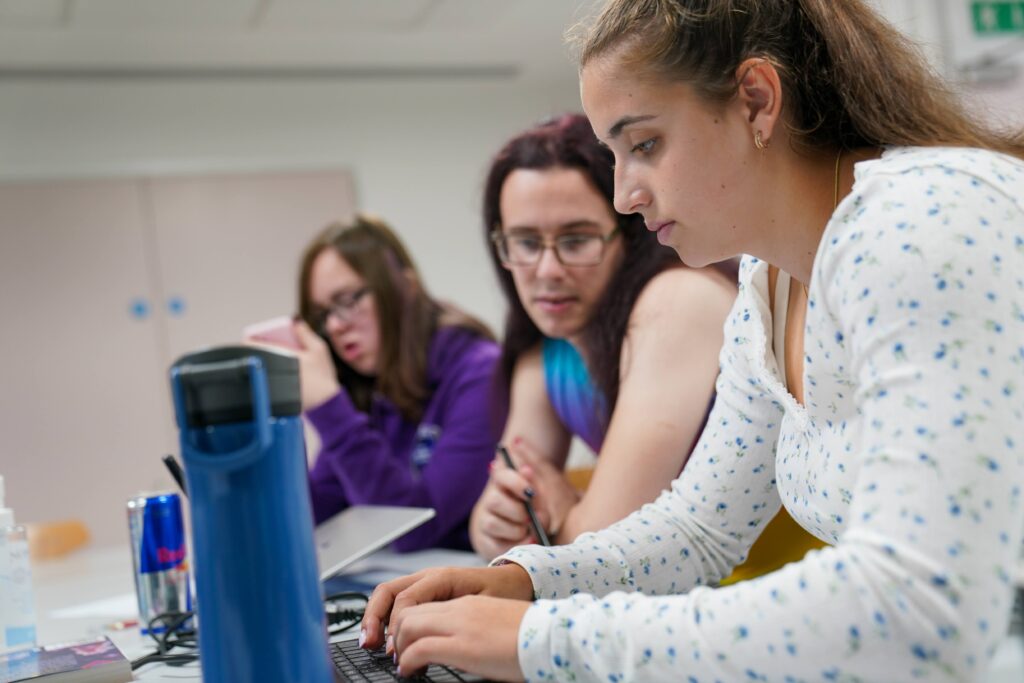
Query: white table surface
point(91, 592)
point(88, 592)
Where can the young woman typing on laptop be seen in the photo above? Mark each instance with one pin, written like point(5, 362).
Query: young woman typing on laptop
point(598, 314)
point(806, 134)
point(396, 384)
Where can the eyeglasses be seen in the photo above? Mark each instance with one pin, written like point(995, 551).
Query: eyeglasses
point(572, 249)
point(344, 307)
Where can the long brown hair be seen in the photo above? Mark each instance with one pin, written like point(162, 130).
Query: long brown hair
point(568, 141)
point(850, 78)
point(408, 316)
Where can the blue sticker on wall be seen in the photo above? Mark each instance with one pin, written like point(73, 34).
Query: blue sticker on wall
point(139, 309)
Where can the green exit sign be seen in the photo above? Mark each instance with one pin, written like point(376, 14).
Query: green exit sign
point(998, 16)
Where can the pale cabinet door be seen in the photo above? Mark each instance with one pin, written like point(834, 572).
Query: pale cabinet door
point(84, 409)
point(229, 247)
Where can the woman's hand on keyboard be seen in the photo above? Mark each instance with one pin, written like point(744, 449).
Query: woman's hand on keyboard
point(475, 633)
point(391, 599)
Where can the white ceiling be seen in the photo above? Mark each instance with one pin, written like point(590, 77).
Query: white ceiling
point(364, 39)
point(265, 38)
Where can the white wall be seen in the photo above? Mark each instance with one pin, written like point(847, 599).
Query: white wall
point(944, 31)
point(418, 150)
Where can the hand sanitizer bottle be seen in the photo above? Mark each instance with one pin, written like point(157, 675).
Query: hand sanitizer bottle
point(17, 612)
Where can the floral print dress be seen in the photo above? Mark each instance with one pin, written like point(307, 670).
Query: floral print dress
point(907, 456)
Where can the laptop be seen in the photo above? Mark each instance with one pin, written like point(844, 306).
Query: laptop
point(355, 532)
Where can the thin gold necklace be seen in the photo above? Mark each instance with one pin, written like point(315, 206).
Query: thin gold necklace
point(835, 200)
point(835, 188)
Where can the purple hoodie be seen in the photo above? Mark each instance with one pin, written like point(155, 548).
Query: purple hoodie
point(441, 462)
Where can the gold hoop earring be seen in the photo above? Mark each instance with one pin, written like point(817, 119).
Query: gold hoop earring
point(759, 142)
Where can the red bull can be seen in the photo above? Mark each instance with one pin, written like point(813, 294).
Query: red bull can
point(157, 534)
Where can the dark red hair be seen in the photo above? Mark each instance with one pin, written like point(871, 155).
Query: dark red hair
point(568, 141)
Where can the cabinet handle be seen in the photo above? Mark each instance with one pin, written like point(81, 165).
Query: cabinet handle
point(138, 308)
point(176, 306)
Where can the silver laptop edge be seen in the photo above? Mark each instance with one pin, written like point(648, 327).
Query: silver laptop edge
point(357, 531)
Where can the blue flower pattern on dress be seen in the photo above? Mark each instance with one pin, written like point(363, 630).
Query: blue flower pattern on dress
point(908, 456)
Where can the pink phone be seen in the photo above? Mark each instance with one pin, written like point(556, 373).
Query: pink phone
point(279, 331)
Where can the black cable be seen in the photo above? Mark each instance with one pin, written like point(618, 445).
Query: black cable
point(173, 630)
point(341, 619)
point(170, 630)
point(168, 659)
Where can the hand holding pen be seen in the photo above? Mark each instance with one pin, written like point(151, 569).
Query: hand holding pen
point(538, 528)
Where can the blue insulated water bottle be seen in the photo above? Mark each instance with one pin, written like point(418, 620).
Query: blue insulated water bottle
point(261, 615)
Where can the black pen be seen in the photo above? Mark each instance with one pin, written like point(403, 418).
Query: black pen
point(538, 530)
point(175, 469)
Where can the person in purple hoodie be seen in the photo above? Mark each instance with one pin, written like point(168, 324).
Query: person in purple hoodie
point(396, 384)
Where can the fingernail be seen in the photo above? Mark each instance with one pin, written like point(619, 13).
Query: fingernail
point(394, 658)
point(399, 670)
point(528, 492)
point(362, 637)
point(390, 645)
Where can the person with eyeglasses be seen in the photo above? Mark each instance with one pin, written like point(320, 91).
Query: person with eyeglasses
point(870, 379)
point(593, 304)
point(598, 313)
point(396, 384)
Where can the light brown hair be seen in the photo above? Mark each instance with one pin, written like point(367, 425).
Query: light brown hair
point(408, 316)
point(850, 78)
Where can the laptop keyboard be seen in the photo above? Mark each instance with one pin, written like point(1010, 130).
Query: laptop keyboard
point(356, 664)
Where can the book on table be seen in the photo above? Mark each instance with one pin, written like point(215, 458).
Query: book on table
point(92, 661)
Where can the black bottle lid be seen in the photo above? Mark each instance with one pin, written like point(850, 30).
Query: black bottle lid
point(216, 384)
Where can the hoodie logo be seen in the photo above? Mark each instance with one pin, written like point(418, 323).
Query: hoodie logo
point(423, 448)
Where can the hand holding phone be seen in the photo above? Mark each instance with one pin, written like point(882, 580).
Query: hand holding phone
point(279, 331)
